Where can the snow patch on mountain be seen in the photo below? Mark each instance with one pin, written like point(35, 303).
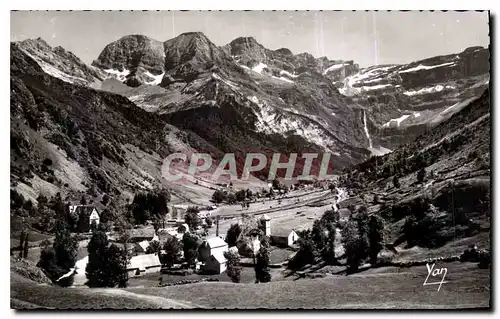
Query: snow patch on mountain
point(283, 72)
point(55, 72)
point(334, 67)
point(139, 100)
point(49, 69)
point(156, 78)
point(428, 90)
point(259, 67)
point(379, 151)
point(375, 87)
point(397, 121)
point(120, 75)
point(416, 114)
point(450, 107)
point(426, 67)
point(350, 87)
point(282, 79)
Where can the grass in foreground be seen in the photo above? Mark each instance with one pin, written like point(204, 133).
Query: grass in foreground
point(467, 287)
point(382, 288)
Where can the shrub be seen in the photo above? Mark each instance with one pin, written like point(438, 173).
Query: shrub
point(375, 236)
point(153, 247)
point(233, 266)
point(421, 175)
point(191, 218)
point(219, 196)
point(172, 248)
point(61, 257)
point(232, 234)
point(190, 247)
point(262, 273)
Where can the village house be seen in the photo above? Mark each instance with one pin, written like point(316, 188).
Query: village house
point(177, 211)
point(163, 234)
point(283, 237)
point(141, 247)
point(85, 217)
point(143, 264)
point(211, 246)
point(204, 213)
point(137, 235)
point(215, 264)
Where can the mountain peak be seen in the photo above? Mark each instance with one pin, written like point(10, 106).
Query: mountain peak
point(284, 51)
point(195, 34)
point(136, 37)
point(246, 42)
point(38, 42)
point(131, 51)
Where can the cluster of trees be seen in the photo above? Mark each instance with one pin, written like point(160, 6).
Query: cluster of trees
point(242, 195)
point(107, 265)
point(232, 235)
point(319, 242)
point(193, 220)
point(190, 245)
point(149, 206)
point(170, 252)
point(261, 258)
point(42, 217)
point(239, 235)
point(362, 238)
point(58, 259)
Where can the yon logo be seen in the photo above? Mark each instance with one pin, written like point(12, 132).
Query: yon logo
point(438, 272)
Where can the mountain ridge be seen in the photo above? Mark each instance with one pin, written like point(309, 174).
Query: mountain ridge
point(189, 71)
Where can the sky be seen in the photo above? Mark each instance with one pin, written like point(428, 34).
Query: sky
point(368, 38)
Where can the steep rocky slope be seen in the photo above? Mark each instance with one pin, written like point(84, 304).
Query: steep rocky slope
point(404, 101)
point(451, 200)
point(88, 137)
point(201, 79)
point(283, 63)
point(61, 63)
point(331, 103)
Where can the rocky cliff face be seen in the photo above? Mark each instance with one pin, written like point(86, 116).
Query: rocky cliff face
point(133, 59)
point(247, 51)
point(404, 101)
point(200, 78)
point(61, 63)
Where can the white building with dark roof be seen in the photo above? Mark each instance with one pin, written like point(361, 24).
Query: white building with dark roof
point(215, 264)
point(212, 246)
point(283, 237)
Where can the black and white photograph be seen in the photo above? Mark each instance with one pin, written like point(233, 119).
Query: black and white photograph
point(336, 160)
